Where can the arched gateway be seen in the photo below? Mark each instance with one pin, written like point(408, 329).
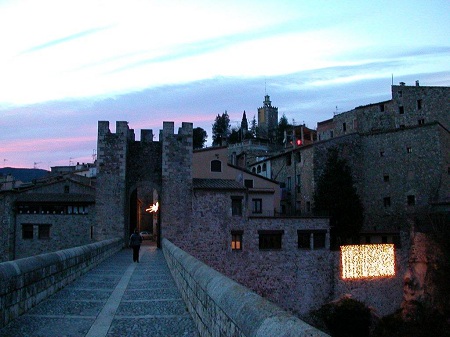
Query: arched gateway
point(132, 174)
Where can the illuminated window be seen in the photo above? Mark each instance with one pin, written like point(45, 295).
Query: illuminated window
point(216, 166)
point(27, 231)
point(236, 240)
point(257, 205)
point(236, 205)
point(44, 231)
point(367, 261)
point(270, 239)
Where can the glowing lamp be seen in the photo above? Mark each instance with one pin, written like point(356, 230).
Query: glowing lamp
point(153, 208)
point(367, 261)
point(298, 142)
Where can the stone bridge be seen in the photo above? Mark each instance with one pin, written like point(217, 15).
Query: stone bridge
point(96, 290)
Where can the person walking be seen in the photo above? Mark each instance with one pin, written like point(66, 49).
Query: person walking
point(135, 243)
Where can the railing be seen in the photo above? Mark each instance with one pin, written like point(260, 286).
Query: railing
point(26, 282)
point(222, 307)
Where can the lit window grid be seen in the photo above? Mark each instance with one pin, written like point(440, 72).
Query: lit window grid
point(367, 261)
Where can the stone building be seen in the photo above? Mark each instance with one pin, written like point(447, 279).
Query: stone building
point(54, 214)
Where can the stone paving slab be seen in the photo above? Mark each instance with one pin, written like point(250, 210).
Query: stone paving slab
point(117, 298)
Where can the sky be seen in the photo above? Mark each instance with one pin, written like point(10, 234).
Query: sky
point(65, 65)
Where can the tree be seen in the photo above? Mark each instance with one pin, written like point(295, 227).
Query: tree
point(253, 128)
point(221, 129)
point(283, 127)
point(336, 197)
point(235, 136)
point(199, 138)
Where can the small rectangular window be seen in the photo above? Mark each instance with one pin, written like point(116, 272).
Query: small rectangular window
point(386, 178)
point(409, 149)
point(216, 166)
point(27, 231)
point(387, 201)
point(308, 206)
point(92, 232)
point(400, 93)
point(248, 183)
point(257, 205)
point(411, 200)
point(44, 232)
point(421, 121)
point(270, 239)
point(401, 110)
point(304, 239)
point(344, 127)
point(419, 104)
point(381, 153)
point(288, 159)
point(381, 107)
point(236, 240)
point(289, 183)
point(319, 239)
point(236, 206)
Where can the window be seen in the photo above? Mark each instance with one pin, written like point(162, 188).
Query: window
point(421, 121)
point(253, 170)
point(381, 153)
point(409, 149)
point(92, 232)
point(270, 239)
point(319, 239)
point(27, 231)
point(311, 239)
point(400, 93)
point(257, 205)
point(344, 127)
point(387, 201)
point(66, 189)
point(264, 167)
point(288, 159)
point(384, 239)
point(216, 166)
point(304, 239)
point(331, 133)
point(236, 206)
point(289, 183)
point(259, 169)
point(44, 232)
point(401, 110)
point(248, 183)
point(236, 240)
point(308, 206)
point(386, 178)
point(381, 107)
point(419, 104)
point(411, 200)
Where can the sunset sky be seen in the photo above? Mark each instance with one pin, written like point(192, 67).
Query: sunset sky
point(65, 65)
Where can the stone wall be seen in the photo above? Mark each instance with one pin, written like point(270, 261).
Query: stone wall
point(7, 225)
point(222, 307)
point(26, 282)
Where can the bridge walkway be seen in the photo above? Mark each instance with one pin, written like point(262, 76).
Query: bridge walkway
point(116, 298)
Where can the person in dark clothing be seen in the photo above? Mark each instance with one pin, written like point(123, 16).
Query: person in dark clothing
point(135, 243)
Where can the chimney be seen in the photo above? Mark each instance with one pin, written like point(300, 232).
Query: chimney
point(402, 84)
point(417, 83)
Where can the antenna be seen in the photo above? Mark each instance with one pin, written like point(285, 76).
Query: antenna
point(265, 87)
point(35, 164)
point(4, 162)
point(94, 155)
point(392, 79)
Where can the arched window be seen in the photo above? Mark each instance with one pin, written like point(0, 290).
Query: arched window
point(264, 168)
point(254, 170)
point(259, 169)
point(216, 166)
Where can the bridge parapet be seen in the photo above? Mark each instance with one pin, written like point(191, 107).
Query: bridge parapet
point(223, 307)
point(26, 282)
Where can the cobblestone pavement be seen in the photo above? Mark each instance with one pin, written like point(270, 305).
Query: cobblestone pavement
point(116, 298)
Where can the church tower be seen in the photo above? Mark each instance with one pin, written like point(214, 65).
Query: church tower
point(267, 119)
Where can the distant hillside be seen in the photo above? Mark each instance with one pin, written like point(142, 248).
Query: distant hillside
point(23, 174)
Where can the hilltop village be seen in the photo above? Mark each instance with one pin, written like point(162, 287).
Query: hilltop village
point(247, 209)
